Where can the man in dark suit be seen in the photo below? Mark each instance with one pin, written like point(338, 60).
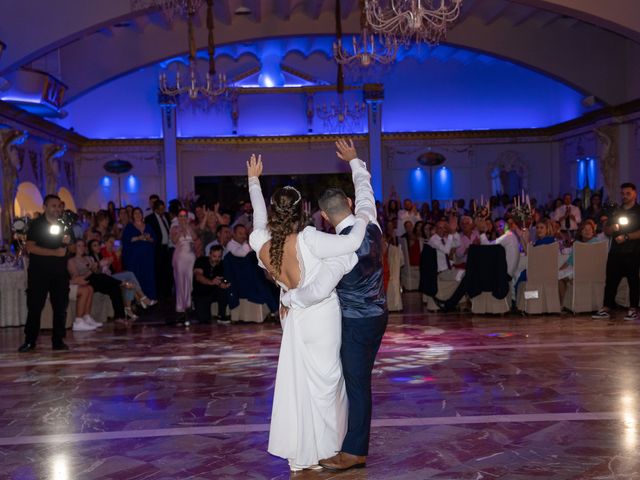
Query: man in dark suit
point(159, 221)
point(363, 304)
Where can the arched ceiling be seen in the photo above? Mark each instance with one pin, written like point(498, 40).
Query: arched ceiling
point(584, 43)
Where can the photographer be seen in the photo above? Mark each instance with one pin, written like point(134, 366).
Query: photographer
point(624, 254)
point(47, 242)
point(210, 286)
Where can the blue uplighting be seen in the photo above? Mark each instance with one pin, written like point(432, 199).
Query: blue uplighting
point(587, 173)
point(443, 184)
point(132, 184)
point(105, 181)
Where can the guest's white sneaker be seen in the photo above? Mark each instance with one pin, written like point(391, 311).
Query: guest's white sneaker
point(601, 314)
point(632, 314)
point(88, 319)
point(80, 325)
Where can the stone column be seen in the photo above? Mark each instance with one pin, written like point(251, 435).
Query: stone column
point(373, 96)
point(170, 147)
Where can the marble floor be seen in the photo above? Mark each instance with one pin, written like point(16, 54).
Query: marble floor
point(455, 397)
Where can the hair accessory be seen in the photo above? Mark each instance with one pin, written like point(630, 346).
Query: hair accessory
point(289, 187)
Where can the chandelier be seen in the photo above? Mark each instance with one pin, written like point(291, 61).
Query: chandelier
point(366, 51)
point(191, 83)
point(341, 116)
point(170, 8)
point(408, 20)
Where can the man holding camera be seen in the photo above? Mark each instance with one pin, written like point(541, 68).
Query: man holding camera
point(210, 286)
point(624, 254)
point(47, 242)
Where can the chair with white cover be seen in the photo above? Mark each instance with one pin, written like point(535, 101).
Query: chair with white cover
point(248, 311)
point(409, 274)
point(447, 284)
point(586, 292)
point(540, 293)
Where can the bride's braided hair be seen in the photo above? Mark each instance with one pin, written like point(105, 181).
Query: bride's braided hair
point(286, 217)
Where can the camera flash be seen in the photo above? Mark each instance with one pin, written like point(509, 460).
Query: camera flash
point(623, 221)
point(54, 229)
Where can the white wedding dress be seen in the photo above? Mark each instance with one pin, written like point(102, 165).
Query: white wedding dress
point(309, 416)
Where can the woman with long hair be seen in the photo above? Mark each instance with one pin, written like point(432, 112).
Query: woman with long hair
point(308, 420)
point(138, 252)
point(184, 257)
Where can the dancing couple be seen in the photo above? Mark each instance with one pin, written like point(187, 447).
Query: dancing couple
point(333, 315)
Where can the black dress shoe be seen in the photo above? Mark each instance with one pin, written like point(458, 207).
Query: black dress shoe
point(27, 347)
point(60, 346)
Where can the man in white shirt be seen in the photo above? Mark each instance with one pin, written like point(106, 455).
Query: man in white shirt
point(568, 215)
point(468, 236)
point(239, 246)
point(444, 244)
point(409, 213)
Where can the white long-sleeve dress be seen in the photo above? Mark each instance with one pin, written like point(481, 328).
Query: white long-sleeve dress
point(309, 416)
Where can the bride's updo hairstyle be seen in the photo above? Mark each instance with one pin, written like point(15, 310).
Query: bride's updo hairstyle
point(286, 217)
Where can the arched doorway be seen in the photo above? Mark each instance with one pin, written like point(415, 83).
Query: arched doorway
point(28, 200)
point(67, 198)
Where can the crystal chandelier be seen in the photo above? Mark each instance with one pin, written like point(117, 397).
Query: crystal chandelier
point(170, 8)
point(213, 85)
point(341, 116)
point(366, 51)
point(409, 20)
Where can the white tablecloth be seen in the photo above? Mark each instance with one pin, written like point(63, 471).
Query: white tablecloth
point(13, 298)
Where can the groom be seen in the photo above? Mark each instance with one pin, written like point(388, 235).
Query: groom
point(363, 303)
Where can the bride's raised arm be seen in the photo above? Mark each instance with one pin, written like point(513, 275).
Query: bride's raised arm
point(260, 234)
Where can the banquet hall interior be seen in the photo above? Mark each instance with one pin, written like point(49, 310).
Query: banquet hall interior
point(479, 120)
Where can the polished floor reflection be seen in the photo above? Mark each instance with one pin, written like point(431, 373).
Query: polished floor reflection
point(455, 397)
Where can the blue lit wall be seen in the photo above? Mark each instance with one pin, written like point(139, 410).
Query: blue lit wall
point(587, 173)
point(445, 88)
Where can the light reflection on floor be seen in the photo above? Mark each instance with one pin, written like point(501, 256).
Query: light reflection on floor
point(455, 397)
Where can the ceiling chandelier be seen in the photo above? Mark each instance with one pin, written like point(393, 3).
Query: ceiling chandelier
point(366, 51)
point(412, 20)
point(341, 116)
point(192, 83)
point(171, 8)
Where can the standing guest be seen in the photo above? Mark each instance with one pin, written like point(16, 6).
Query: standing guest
point(391, 211)
point(239, 246)
point(123, 220)
point(408, 214)
point(138, 252)
point(111, 212)
point(47, 245)
point(568, 215)
point(436, 211)
point(183, 236)
point(624, 254)
point(245, 216)
point(153, 198)
point(425, 212)
point(595, 207)
point(210, 286)
point(223, 237)
point(159, 223)
point(207, 231)
point(101, 225)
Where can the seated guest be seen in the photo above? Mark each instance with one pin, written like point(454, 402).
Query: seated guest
point(568, 215)
point(81, 265)
point(82, 293)
point(239, 246)
point(408, 214)
point(444, 244)
point(544, 236)
point(223, 237)
point(108, 257)
point(209, 285)
point(468, 236)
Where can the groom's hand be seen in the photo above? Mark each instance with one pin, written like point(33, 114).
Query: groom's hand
point(346, 151)
point(254, 166)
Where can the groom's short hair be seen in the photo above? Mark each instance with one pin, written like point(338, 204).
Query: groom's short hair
point(334, 202)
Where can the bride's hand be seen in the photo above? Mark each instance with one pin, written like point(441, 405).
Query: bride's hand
point(254, 166)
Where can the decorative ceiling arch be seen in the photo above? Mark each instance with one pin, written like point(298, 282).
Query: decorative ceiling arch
point(570, 40)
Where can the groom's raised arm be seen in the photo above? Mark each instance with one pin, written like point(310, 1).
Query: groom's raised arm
point(365, 203)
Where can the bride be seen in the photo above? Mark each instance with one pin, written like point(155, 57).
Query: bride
point(309, 415)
